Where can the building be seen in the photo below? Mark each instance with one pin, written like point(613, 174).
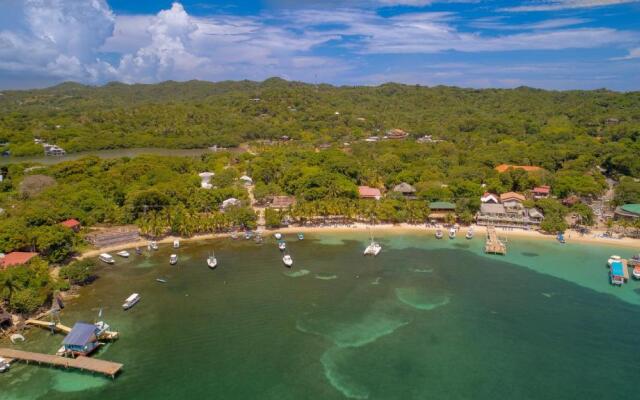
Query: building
point(206, 179)
point(440, 209)
point(82, 340)
point(506, 167)
point(16, 258)
point(512, 200)
point(53, 150)
point(230, 202)
point(406, 190)
point(72, 224)
point(541, 192)
point(490, 198)
point(366, 192)
point(396, 134)
point(627, 211)
point(114, 236)
point(282, 202)
point(246, 180)
point(501, 216)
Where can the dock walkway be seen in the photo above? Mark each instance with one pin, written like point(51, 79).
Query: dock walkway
point(493, 245)
point(108, 335)
point(82, 363)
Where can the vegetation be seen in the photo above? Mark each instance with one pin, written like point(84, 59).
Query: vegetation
point(79, 272)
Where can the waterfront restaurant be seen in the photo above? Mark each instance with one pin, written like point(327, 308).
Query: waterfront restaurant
point(82, 340)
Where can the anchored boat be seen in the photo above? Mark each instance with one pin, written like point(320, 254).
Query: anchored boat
point(452, 233)
point(107, 258)
point(212, 262)
point(123, 253)
point(373, 249)
point(300, 236)
point(176, 244)
point(153, 245)
point(469, 234)
point(131, 301)
point(439, 234)
point(4, 365)
point(282, 245)
point(277, 235)
point(173, 259)
point(287, 260)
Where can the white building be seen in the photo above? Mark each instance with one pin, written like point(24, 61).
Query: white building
point(246, 180)
point(206, 179)
point(230, 202)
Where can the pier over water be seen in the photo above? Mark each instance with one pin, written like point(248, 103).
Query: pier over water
point(81, 363)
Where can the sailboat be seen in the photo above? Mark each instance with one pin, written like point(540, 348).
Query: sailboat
point(373, 249)
point(212, 262)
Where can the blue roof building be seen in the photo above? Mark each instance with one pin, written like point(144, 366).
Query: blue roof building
point(82, 339)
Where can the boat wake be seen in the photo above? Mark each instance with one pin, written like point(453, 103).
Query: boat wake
point(326, 277)
point(297, 274)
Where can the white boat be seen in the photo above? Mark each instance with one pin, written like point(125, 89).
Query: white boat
point(161, 280)
point(153, 245)
point(176, 244)
point(131, 301)
point(173, 259)
point(101, 328)
point(469, 234)
point(277, 235)
point(439, 234)
point(123, 253)
point(613, 259)
point(452, 233)
point(16, 337)
point(106, 257)
point(4, 365)
point(373, 249)
point(212, 262)
point(287, 260)
point(282, 245)
point(636, 272)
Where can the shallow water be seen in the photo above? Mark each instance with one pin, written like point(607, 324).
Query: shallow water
point(424, 319)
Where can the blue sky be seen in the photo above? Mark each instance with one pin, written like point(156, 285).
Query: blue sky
point(551, 44)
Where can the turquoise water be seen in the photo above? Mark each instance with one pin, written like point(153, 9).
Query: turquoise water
point(425, 319)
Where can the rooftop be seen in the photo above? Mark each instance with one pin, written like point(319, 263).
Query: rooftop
point(368, 192)
point(542, 189)
point(16, 258)
point(404, 187)
point(70, 223)
point(632, 208)
point(511, 196)
point(441, 205)
point(81, 334)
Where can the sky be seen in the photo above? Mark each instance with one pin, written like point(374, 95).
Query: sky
point(549, 44)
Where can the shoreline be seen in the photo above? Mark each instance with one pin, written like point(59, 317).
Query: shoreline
point(570, 237)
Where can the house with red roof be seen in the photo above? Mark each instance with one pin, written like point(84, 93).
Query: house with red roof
point(72, 224)
point(366, 192)
point(541, 192)
point(16, 258)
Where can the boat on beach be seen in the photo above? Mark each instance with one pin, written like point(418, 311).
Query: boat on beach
point(287, 260)
point(176, 244)
point(282, 245)
point(452, 233)
point(439, 234)
point(153, 245)
point(277, 235)
point(469, 234)
point(173, 259)
point(212, 262)
point(131, 301)
point(106, 258)
point(4, 365)
point(123, 253)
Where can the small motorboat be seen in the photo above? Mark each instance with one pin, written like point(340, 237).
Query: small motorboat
point(107, 258)
point(282, 245)
point(153, 245)
point(452, 233)
point(277, 235)
point(287, 260)
point(138, 250)
point(176, 244)
point(636, 272)
point(248, 235)
point(560, 237)
point(469, 234)
point(161, 280)
point(439, 234)
point(4, 365)
point(212, 262)
point(131, 301)
point(173, 259)
point(300, 236)
point(613, 259)
point(123, 253)
point(634, 260)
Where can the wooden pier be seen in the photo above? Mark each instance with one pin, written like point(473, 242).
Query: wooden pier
point(107, 368)
point(493, 245)
point(108, 335)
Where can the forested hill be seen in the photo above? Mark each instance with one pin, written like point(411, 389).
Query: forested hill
point(199, 114)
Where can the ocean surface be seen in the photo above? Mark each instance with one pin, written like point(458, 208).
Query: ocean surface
point(426, 319)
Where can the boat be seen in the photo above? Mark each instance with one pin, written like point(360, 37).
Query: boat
point(234, 235)
point(153, 245)
point(101, 328)
point(452, 233)
point(636, 272)
point(16, 337)
point(131, 301)
point(613, 259)
point(439, 233)
point(176, 244)
point(560, 237)
point(469, 234)
point(617, 271)
point(173, 259)
point(300, 236)
point(277, 235)
point(123, 253)
point(248, 235)
point(138, 250)
point(258, 239)
point(373, 249)
point(634, 261)
point(107, 258)
point(212, 262)
point(161, 280)
point(287, 260)
point(4, 365)
point(282, 245)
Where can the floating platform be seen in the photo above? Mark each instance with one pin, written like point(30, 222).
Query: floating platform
point(81, 363)
point(108, 335)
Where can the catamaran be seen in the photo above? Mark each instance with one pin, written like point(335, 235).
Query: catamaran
point(173, 259)
point(287, 260)
point(107, 258)
point(452, 233)
point(131, 301)
point(212, 262)
point(469, 234)
point(373, 249)
point(123, 253)
point(282, 245)
point(439, 233)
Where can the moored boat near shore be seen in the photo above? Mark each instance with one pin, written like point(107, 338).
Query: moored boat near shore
point(287, 260)
point(173, 259)
point(439, 234)
point(131, 301)
point(123, 253)
point(106, 258)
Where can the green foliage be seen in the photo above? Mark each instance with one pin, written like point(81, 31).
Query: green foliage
point(273, 218)
point(79, 272)
point(26, 288)
point(627, 192)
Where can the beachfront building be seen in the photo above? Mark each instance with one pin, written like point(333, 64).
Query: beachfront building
point(489, 198)
point(366, 192)
point(440, 209)
point(113, 236)
point(82, 340)
point(541, 192)
point(509, 212)
point(512, 200)
point(206, 179)
point(16, 258)
point(405, 190)
point(396, 134)
point(506, 167)
point(72, 224)
point(229, 203)
point(628, 212)
point(282, 202)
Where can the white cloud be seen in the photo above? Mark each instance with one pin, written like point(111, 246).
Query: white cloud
point(496, 23)
point(632, 55)
point(553, 5)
